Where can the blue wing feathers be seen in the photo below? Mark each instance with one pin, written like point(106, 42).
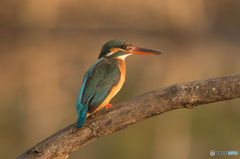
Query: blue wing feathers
point(98, 97)
point(97, 84)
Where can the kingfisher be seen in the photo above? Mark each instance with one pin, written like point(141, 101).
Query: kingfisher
point(105, 78)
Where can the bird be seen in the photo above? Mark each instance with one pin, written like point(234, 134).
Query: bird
point(105, 77)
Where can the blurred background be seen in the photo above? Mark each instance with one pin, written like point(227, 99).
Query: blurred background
point(47, 46)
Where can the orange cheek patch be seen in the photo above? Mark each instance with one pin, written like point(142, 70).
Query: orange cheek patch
point(130, 47)
point(113, 50)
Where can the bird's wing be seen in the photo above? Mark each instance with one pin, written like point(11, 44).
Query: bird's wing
point(98, 83)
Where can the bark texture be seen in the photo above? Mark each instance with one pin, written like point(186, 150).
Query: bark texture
point(124, 114)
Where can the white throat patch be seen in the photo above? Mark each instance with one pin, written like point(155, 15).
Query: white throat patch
point(124, 56)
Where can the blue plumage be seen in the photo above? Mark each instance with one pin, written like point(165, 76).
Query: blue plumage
point(97, 84)
point(82, 115)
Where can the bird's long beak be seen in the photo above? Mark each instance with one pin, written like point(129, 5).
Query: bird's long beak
point(138, 50)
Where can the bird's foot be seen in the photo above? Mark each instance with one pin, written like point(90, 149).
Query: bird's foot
point(108, 105)
point(95, 111)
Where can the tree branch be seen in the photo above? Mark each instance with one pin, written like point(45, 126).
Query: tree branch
point(124, 114)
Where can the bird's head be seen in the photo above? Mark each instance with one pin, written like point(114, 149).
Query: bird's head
point(122, 49)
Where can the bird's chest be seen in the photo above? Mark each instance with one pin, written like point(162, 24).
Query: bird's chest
point(122, 67)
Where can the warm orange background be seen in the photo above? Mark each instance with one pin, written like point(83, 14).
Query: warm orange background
point(47, 46)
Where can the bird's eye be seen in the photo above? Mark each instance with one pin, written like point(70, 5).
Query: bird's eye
point(123, 46)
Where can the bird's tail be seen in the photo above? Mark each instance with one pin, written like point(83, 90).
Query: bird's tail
point(82, 115)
